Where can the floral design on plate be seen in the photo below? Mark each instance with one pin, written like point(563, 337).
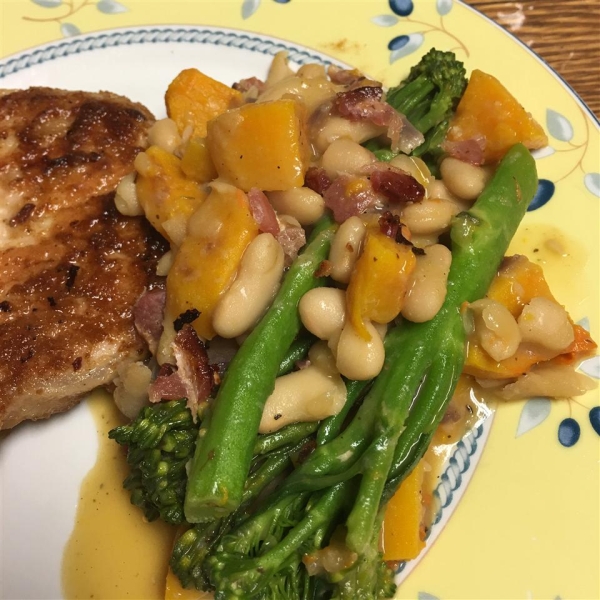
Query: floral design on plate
point(67, 28)
point(562, 131)
point(407, 43)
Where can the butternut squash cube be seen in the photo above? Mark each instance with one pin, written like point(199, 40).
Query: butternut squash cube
point(402, 524)
point(379, 281)
point(207, 261)
point(194, 98)
point(261, 145)
point(196, 161)
point(164, 191)
point(489, 110)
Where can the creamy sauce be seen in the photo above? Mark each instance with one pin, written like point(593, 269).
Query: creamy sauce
point(113, 552)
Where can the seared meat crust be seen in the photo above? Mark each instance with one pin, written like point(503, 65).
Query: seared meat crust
point(71, 267)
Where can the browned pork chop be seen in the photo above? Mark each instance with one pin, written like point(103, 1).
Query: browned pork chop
point(71, 267)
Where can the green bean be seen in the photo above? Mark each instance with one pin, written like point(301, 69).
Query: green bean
point(224, 449)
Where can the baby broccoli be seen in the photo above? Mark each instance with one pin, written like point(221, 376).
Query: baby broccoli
point(428, 98)
point(160, 441)
point(430, 93)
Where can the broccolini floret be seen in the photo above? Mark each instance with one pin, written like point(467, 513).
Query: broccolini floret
point(431, 91)
point(160, 441)
point(428, 98)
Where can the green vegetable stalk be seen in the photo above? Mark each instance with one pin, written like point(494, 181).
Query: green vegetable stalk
point(224, 447)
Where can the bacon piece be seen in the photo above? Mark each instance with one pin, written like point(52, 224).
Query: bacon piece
point(363, 103)
point(168, 385)
point(148, 314)
point(317, 180)
point(470, 151)
point(348, 196)
point(291, 240)
point(249, 84)
point(366, 104)
point(390, 225)
point(344, 76)
point(194, 375)
point(263, 212)
point(396, 185)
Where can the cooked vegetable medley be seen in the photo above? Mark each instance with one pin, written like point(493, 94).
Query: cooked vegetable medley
point(337, 264)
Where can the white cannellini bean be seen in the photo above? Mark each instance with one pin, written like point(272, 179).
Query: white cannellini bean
point(546, 323)
point(463, 179)
point(346, 156)
point(323, 311)
point(427, 286)
point(126, 199)
point(337, 127)
point(414, 166)
point(254, 288)
point(311, 71)
point(345, 248)
point(496, 328)
point(306, 205)
point(311, 394)
point(357, 358)
point(432, 215)
point(131, 391)
point(165, 263)
point(279, 68)
point(165, 135)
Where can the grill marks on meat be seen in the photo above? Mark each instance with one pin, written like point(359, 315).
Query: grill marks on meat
point(71, 267)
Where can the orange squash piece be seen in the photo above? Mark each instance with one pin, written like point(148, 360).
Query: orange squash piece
point(517, 282)
point(208, 259)
point(379, 281)
point(194, 98)
point(261, 145)
point(487, 109)
point(165, 192)
point(196, 161)
point(402, 525)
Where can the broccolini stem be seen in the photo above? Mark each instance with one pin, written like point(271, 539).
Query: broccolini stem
point(330, 427)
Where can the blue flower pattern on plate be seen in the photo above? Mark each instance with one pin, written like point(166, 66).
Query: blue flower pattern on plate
point(402, 8)
point(569, 432)
point(595, 419)
point(544, 192)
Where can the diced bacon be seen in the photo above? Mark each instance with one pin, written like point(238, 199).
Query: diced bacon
point(251, 83)
point(469, 151)
point(263, 212)
point(348, 196)
point(191, 378)
point(317, 180)
point(344, 76)
point(390, 225)
point(148, 316)
point(396, 185)
point(291, 240)
point(168, 385)
point(366, 104)
point(363, 103)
